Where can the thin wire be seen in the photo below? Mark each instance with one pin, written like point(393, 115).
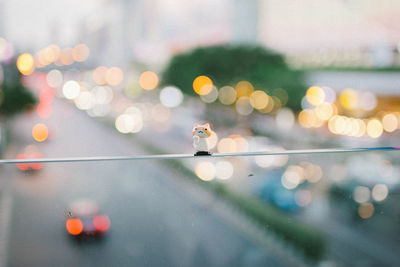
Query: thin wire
point(182, 156)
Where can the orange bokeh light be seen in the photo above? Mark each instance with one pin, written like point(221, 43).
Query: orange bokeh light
point(100, 75)
point(74, 226)
point(114, 76)
point(202, 85)
point(80, 52)
point(40, 132)
point(148, 80)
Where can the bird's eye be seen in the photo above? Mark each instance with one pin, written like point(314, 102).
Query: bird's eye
point(195, 129)
point(205, 129)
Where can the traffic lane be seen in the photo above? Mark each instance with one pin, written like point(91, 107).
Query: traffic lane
point(151, 223)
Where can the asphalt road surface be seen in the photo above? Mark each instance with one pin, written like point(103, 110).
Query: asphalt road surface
point(155, 221)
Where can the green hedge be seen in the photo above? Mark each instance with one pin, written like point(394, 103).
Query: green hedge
point(14, 97)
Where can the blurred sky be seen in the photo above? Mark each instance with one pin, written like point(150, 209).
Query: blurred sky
point(281, 24)
point(30, 23)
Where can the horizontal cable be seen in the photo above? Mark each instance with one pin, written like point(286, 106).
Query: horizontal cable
point(182, 156)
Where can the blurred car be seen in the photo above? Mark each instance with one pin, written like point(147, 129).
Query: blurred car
point(272, 191)
point(86, 220)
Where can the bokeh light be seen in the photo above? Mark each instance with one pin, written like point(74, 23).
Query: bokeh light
point(366, 210)
point(85, 101)
point(390, 122)
point(80, 52)
point(171, 97)
point(380, 192)
point(226, 145)
point(102, 94)
point(361, 194)
point(74, 226)
point(160, 113)
point(285, 119)
point(205, 170)
point(54, 78)
point(213, 140)
point(211, 96)
point(148, 80)
point(324, 111)
point(71, 89)
point(290, 179)
point(224, 170)
point(40, 132)
point(302, 197)
point(114, 76)
point(100, 75)
point(259, 99)
point(374, 128)
point(66, 56)
point(227, 95)
point(315, 95)
point(368, 101)
point(202, 85)
point(243, 106)
point(244, 89)
point(26, 64)
point(349, 99)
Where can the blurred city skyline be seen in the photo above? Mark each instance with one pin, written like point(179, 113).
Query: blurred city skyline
point(152, 30)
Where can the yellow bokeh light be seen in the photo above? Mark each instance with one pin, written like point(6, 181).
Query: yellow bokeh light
point(324, 111)
point(205, 170)
point(148, 80)
point(349, 99)
point(390, 122)
point(100, 75)
point(80, 52)
point(374, 128)
point(308, 119)
point(244, 89)
point(259, 99)
point(114, 76)
point(270, 106)
point(227, 95)
point(202, 85)
point(40, 132)
point(26, 64)
point(315, 95)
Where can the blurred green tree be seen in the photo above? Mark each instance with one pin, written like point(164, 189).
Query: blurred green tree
point(229, 64)
point(14, 97)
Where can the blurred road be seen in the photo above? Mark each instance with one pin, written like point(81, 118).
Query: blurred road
point(155, 220)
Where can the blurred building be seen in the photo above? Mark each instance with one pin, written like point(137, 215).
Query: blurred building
point(2, 21)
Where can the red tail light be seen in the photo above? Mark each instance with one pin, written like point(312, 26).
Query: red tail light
point(22, 166)
point(101, 223)
point(36, 166)
point(74, 226)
